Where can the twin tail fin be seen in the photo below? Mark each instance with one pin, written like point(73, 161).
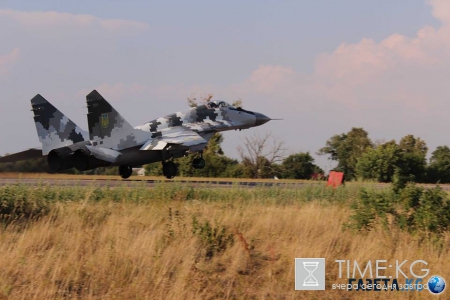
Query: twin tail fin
point(54, 129)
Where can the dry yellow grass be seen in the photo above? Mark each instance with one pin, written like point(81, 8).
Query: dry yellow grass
point(146, 250)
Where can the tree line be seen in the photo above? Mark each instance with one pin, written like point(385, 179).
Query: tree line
point(406, 161)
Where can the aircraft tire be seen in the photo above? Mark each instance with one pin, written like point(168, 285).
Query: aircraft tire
point(198, 163)
point(170, 170)
point(125, 171)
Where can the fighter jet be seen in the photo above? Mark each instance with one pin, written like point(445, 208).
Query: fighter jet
point(112, 141)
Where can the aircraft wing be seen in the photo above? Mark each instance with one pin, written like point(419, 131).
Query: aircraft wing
point(32, 153)
point(179, 135)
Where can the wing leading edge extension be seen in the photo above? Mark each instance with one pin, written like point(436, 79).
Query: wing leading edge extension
point(180, 136)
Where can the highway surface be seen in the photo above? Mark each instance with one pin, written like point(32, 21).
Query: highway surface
point(136, 181)
point(149, 183)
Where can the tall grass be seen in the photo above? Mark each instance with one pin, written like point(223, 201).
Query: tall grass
point(176, 241)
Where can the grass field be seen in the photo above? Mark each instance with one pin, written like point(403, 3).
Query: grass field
point(177, 242)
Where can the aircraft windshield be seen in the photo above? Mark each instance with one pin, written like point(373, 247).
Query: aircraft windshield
point(216, 104)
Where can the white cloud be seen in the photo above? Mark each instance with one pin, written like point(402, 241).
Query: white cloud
point(7, 60)
point(399, 72)
point(35, 20)
point(441, 10)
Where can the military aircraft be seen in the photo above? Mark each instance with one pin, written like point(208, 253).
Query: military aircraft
point(112, 141)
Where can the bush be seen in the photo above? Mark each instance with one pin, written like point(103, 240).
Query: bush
point(20, 203)
point(428, 211)
point(414, 209)
point(370, 208)
point(213, 239)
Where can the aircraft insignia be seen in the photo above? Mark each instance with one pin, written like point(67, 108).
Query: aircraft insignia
point(105, 120)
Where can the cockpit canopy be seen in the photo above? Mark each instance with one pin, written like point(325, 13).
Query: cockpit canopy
point(217, 104)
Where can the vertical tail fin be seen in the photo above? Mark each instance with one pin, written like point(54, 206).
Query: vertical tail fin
point(107, 127)
point(54, 129)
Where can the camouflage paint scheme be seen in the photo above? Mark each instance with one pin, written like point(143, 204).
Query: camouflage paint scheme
point(54, 129)
point(176, 134)
point(113, 141)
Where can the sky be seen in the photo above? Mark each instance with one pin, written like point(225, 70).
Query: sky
point(323, 66)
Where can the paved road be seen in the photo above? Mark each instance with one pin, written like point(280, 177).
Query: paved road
point(149, 183)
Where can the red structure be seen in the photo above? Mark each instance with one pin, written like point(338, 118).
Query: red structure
point(335, 178)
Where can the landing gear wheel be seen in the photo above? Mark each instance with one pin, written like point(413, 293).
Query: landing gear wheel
point(125, 171)
point(170, 169)
point(198, 163)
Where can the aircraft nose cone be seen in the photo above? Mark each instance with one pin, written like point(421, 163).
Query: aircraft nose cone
point(261, 119)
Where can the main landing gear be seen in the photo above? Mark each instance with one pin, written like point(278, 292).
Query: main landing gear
point(170, 169)
point(125, 171)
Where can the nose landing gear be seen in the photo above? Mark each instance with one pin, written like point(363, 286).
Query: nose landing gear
point(199, 162)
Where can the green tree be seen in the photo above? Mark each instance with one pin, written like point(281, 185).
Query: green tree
point(216, 162)
point(238, 170)
point(389, 162)
point(154, 169)
point(346, 149)
point(261, 167)
point(412, 165)
point(299, 166)
point(439, 168)
point(38, 165)
point(379, 163)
